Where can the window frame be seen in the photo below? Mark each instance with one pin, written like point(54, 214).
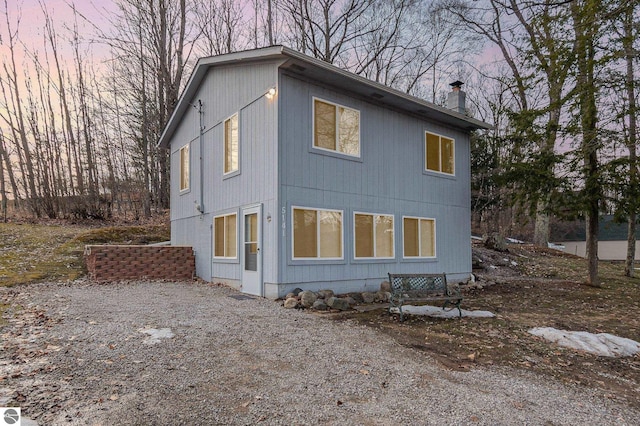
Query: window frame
point(334, 152)
point(184, 168)
point(440, 158)
point(435, 246)
point(213, 248)
point(393, 239)
point(236, 171)
point(317, 258)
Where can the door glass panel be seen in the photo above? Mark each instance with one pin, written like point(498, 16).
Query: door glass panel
point(251, 242)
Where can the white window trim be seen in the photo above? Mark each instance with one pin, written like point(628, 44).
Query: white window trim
point(440, 136)
point(224, 145)
point(293, 230)
point(337, 129)
point(393, 227)
point(188, 187)
point(435, 240)
point(225, 236)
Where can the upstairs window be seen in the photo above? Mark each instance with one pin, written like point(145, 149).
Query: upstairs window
point(184, 168)
point(440, 155)
point(231, 144)
point(225, 237)
point(419, 236)
point(336, 128)
point(373, 236)
point(317, 234)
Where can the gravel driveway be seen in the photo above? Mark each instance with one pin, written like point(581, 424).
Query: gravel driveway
point(76, 354)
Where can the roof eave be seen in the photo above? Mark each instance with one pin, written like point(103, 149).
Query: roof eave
point(395, 97)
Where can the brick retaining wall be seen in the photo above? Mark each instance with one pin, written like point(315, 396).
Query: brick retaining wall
point(128, 262)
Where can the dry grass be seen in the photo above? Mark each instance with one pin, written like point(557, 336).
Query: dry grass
point(34, 253)
point(527, 299)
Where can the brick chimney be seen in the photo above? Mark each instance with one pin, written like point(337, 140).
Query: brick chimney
point(456, 98)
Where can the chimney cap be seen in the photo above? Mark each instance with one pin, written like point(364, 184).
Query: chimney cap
point(456, 84)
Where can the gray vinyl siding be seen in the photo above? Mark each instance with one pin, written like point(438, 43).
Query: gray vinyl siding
point(388, 178)
point(225, 91)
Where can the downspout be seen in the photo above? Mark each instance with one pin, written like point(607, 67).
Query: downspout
point(200, 207)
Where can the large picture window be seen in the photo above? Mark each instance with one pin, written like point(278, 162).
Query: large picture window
point(317, 234)
point(231, 144)
point(439, 153)
point(184, 168)
point(225, 237)
point(336, 128)
point(373, 235)
point(419, 237)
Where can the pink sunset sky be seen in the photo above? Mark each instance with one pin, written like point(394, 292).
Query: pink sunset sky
point(27, 17)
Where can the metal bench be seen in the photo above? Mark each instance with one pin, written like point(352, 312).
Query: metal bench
point(422, 288)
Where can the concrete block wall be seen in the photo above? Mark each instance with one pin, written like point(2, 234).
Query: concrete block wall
point(129, 262)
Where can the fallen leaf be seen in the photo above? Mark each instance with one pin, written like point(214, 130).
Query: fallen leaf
point(114, 397)
point(365, 372)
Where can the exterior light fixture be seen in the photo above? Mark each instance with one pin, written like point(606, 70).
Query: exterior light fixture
point(271, 93)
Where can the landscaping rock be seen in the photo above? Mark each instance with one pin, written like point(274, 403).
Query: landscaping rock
point(338, 303)
point(296, 291)
point(350, 300)
point(357, 297)
point(383, 296)
point(319, 305)
point(325, 294)
point(368, 297)
point(290, 303)
point(289, 296)
point(307, 298)
point(385, 286)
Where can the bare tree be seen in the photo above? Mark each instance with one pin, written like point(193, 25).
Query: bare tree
point(630, 54)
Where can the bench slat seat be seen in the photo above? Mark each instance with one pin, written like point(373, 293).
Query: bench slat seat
point(422, 288)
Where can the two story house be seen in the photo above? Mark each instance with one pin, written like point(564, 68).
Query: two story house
point(287, 172)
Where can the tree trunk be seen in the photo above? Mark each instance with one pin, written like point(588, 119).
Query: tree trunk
point(629, 52)
point(541, 230)
point(3, 193)
point(585, 27)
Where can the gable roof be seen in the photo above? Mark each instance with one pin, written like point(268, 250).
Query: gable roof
point(318, 70)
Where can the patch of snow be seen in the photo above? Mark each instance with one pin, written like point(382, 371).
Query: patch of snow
point(438, 312)
point(556, 246)
point(155, 334)
point(514, 263)
point(602, 344)
point(493, 267)
point(473, 237)
point(514, 241)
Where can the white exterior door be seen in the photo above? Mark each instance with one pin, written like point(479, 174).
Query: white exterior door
point(251, 250)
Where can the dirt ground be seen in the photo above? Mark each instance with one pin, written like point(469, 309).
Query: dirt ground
point(529, 287)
